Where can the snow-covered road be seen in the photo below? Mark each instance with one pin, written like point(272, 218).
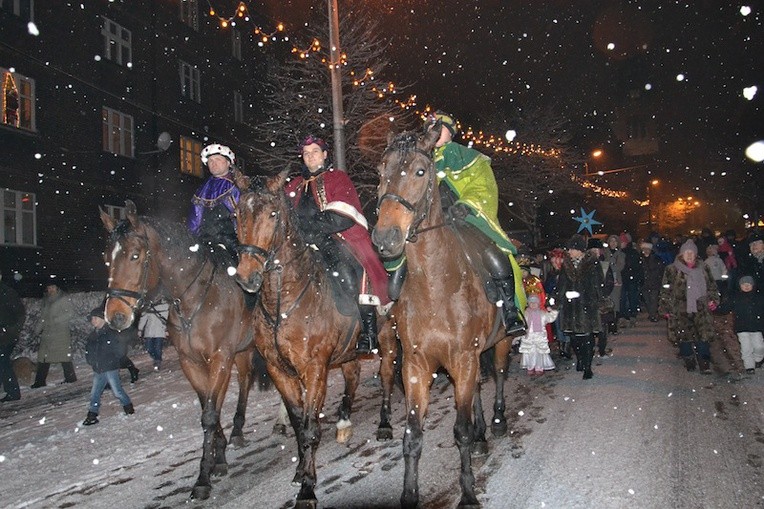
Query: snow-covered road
point(642, 433)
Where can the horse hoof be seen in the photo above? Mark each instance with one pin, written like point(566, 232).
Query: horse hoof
point(384, 434)
point(297, 480)
point(479, 449)
point(201, 492)
point(344, 434)
point(220, 469)
point(310, 503)
point(499, 429)
point(237, 442)
point(279, 429)
point(469, 505)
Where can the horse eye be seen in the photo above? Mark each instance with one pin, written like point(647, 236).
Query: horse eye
point(134, 256)
point(273, 214)
point(420, 172)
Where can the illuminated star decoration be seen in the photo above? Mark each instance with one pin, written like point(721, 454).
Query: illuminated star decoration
point(586, 220)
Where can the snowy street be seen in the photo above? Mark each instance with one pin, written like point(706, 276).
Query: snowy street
point(643, 432)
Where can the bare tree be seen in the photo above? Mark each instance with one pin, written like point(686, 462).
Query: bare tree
point(298, 100)
point(528, 180)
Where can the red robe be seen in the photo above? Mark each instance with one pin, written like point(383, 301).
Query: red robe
point(333, 191)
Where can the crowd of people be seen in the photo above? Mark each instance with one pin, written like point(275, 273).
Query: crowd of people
point(574, 295)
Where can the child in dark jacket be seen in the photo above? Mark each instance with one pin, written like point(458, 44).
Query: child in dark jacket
point(748, 309)
point(104, 351)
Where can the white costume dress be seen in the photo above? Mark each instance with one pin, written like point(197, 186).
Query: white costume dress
point(534, 345)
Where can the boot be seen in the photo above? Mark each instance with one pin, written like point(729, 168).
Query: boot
point(578, 351)
point(41, 375)
point(367, 340)
point(69, 374)
point(91, 419)
point(513, 322)
point(588, 353)
point(689, 362)
point(133, 374)
point(129, 410)
point(705, 366)
point(565, 350)
point(614, 327)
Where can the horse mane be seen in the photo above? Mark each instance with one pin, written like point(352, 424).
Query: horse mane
point(403, 142)
point(174, 237)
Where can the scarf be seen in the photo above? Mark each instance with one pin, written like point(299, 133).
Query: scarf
point(533, 317)
point(696, 283)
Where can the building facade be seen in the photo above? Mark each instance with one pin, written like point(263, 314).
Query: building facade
point(106, 101)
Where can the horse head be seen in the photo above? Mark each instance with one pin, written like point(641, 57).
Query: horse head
point(407, 183)
point(132, 271)
point(261, 217)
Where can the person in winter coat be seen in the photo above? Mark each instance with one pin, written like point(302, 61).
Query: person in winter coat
point(153, 328)
point(631, 277)
point(652, 270)
point(552, 270)
point(688, 296)
point(747, 308)
point(12, 314)
point(752, 264)
point(617, 261)
point(718, 269)
point(607, 307)
point(331, 218)
point(104, 350)
point(579, 293)
point(55, 338)
point(534, 345)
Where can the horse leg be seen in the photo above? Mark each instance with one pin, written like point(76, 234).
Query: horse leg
point(351, 371)
point(388, 348)
point(315, 392)
point(479, 444)
point(417, 381)
point(465, 386)
point(291, 401)
point(280, 426)
point(501, 361)
point(243, 362)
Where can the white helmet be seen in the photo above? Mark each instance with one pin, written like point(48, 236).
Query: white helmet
point(217, 148)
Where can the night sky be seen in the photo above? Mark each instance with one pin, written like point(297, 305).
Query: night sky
point(491, 61)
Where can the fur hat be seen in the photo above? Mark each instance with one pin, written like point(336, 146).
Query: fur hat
point(746, 280)
point(576, 242)
point(688, 246)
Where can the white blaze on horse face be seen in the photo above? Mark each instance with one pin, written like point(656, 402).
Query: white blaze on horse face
point(116, 250)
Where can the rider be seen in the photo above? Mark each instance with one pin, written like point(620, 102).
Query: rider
point(329, 209)
point(212, 217)
point(466, 179)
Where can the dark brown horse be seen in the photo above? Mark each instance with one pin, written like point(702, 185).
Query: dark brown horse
point(443, 316)
point(298, 329)
point(209, 323)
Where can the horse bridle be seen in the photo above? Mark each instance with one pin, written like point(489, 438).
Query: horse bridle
point(139, 296)
point(426, 198)
point(268, 257)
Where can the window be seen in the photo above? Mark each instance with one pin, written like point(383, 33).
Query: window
point(24, 9)
point(189, 82)
point(117, 41)
point(189, 13)
point(190, 157)
point(117, 132)
point(236, 44)
point(19, 218)
point(238, 107)
point(18, 100)
point(116, 212)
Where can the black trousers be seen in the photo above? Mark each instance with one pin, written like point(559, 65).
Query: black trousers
point(7, 376)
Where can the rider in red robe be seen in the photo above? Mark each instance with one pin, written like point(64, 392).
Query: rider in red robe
point(331, 216)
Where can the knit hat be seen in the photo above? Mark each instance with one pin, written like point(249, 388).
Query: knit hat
point(310, 140)
point(577, 242)
point(745, 280)
point(646, 245)
point(688, 246)
point(625, 238)
point(594, 243)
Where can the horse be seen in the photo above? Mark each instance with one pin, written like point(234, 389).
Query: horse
point(298, 328)
point(209, 322)
point(443, 317)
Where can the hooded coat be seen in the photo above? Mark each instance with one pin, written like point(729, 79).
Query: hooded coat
point(53, 328)
point(673, 302)
point(579, 290)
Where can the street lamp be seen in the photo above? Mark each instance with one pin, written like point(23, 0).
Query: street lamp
point(652, 183)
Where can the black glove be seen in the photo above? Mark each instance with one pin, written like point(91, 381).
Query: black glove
point(459, 211)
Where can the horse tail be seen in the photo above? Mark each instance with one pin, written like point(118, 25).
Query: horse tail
point(260, 372)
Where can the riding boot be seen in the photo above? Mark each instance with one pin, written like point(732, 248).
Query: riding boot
point(41, 375)
point(513, 322)
point(588, 354)
point(367, 340)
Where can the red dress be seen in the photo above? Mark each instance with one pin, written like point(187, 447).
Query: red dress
point(333, 191)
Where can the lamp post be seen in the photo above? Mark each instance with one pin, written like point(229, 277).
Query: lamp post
point(652, 183)
point(338, 121)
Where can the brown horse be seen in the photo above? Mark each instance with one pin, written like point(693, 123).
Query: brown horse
point(298, 328)
point(443, 316)
point(209, 323)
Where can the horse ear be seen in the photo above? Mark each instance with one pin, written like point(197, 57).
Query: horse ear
point(242, 181)
point(278, 182)
point(131, 211)
point(108, 222)
point(430, 137)
point(390, 137)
